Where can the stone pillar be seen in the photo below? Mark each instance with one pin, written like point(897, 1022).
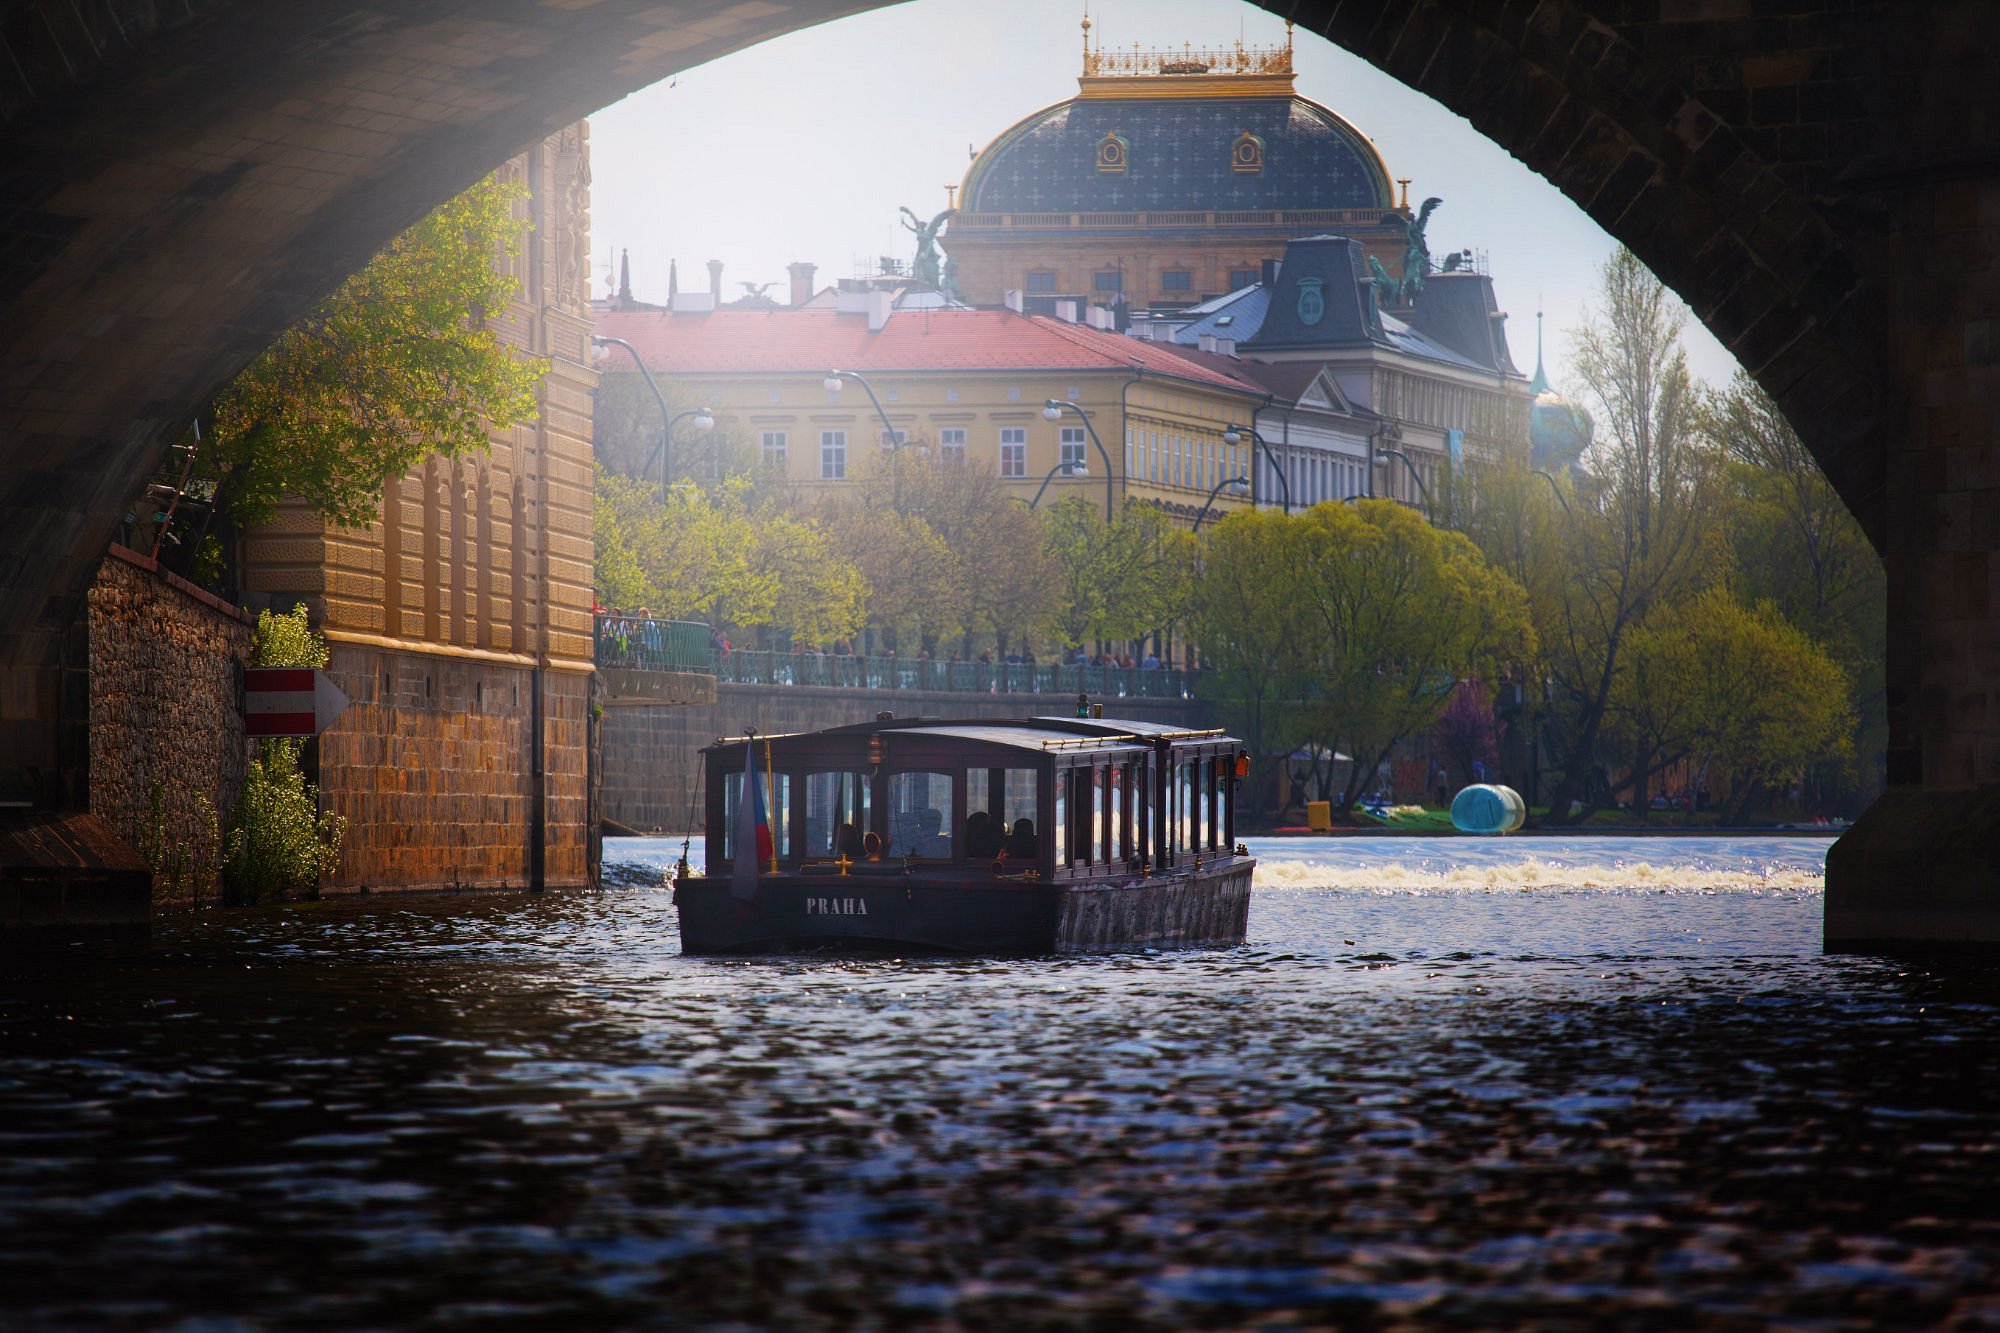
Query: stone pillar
point(1921, 869)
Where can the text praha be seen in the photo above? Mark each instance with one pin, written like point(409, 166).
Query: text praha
point(836, 907)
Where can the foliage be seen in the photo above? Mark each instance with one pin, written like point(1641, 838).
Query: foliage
point(1639, 533)
point(1713, 679)
point(287, 640)
point(400, 363)
point(711, 555)
point(278, 842)
point(1004, 580)
point(180, 865)
point(1117, 580)
point(1243, 603)
point(1395, 611)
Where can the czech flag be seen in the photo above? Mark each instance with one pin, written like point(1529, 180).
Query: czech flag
point(750, 841)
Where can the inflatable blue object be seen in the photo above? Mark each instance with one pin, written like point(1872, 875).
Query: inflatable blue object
point(1487, 808)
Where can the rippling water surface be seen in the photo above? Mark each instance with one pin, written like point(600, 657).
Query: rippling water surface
point(1608, 1083)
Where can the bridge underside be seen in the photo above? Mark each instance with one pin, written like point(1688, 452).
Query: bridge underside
point(185, 177)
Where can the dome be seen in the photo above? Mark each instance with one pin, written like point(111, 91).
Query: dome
point(1114, 154)
point(1558, 430)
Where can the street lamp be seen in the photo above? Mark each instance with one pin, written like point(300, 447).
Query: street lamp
point(1053, 410)
point(1554, 487)
point(704, 420)
point(833, 379)
point(1430, 510)
point(1068, 469)
point(1237, 486)
point(1234, 435)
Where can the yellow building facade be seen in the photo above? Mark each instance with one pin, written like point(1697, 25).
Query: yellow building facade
point(968, 386)
point(460, 623)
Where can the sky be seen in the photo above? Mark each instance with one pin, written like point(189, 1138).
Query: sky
point(804, 147)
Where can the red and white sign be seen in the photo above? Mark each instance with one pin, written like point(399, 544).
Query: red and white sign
point(288, 701)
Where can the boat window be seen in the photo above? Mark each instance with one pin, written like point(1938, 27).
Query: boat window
point(836, 799)
point(1083, 811)
point(1061, 822)
point(777, 808)
point(1212, 775)
point(1108, 787)
point(1006, 796)
point(1186, 826)
point(921, 818)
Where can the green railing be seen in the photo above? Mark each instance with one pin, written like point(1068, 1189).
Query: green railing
point(685, 645)
point(652, 645)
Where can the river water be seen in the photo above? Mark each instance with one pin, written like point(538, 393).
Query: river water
point(1609, 1083)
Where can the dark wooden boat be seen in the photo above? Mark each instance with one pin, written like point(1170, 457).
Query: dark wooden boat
point(1097, 833)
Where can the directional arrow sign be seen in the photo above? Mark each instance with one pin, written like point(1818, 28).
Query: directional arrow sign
point(289, 701)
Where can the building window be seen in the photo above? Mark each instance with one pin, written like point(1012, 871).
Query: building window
point(1176, 280)
point(1013, 451)
point(772, 444)
point(1072, 445)
point(951, 445)
point(1240, 278)
point(833, 455)
point(1040, 282)
point(1111, 280)
point(882, 438)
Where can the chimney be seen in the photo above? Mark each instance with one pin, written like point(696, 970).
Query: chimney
point(1066, 310)
point(1099, 317)
point(1267, 272)
point(715, 280)
point(1225, 347)
point(624, 279)
point(880, 306)
point(673, 281)
point(1205, 342)
point(802, 282)
point(1012, 297)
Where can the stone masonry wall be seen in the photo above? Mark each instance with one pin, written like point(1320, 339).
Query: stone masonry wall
point(432, 766)
point(652, 751)
point(164, 709)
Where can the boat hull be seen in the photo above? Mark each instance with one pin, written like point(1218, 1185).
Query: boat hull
point(1206, 906)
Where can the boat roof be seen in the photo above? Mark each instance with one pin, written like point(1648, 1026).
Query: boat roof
point(1032, 733)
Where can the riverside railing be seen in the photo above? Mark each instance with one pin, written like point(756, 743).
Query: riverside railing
point(681, 645)
point(652, 645)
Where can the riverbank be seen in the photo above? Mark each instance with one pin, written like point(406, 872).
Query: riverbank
point(1616, 824)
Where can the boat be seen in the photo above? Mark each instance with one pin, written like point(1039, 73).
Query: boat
point(1046, 835)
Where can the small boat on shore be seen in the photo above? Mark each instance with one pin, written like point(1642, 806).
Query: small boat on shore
point(1044, 835)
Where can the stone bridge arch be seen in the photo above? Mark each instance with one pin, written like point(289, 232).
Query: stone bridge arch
point(182, 178)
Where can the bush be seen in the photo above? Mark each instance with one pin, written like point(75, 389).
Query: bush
point(278, 842)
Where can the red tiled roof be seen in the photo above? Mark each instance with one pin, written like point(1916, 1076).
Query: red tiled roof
point(808, 342)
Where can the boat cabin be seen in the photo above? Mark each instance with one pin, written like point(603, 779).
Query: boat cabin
point(1047, 799)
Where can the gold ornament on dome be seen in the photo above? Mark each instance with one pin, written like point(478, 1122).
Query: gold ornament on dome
point(1112, 152)
point(1246, 154)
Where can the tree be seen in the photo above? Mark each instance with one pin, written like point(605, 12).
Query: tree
point(1464, 731)
point(400, 363)
point(1117, 580)
point(277, 842)
point(1394, 611)
point(1640, 532)
point(1244, 601)
point(1006, 581)
point(1711, 679)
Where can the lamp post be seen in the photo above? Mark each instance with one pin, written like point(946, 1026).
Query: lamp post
point(1234, 434)
point(1237, 485)
point(1068, 469)
point(1053, 410)
point(833, 379)
point(1430, 510)
point(1560, 497)
point(704, 419)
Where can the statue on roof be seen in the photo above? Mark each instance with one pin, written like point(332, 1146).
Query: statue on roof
point(1416, 254)
point(1386, 287)
point(925, 266)
point(948, 281)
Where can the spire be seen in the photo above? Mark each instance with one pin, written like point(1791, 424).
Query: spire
point(625, 279)
point(1539, 384)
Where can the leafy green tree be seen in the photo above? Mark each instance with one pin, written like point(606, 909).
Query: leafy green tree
point(1641, 531)
point(1117, 580)
point(1244, 603)
point(1394, 612)
point(1710, 679)
point(400, 363)
point(1004, 580)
